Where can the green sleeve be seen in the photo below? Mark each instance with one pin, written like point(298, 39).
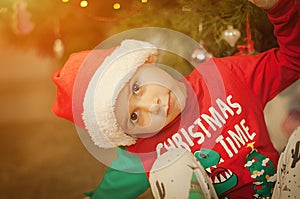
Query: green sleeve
point(125, 178)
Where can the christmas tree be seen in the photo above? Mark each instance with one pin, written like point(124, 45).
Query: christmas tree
point(262, 171)
point(60, 27)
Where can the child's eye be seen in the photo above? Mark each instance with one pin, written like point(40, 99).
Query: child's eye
point(134, 117)
point(136, 88)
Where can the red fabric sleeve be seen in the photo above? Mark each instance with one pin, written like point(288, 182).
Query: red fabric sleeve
point(270, 72)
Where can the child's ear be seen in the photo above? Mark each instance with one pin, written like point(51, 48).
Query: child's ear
point(151, 59)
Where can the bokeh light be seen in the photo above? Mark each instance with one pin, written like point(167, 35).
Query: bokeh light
point(117, 6)
point(83, 4)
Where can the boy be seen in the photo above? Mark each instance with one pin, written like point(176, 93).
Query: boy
point(216, 112)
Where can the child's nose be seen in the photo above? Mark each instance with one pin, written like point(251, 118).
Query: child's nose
point(152, 104)
point(154, 108)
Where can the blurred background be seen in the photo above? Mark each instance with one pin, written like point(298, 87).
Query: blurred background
point(42, 155)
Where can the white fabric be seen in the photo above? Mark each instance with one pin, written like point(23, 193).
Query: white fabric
point(171, 176)
point(288, 171)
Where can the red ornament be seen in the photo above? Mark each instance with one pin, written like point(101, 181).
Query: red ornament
point(22, 23)
point(248, 48)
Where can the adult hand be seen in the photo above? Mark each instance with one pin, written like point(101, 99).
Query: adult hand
point(264, 4)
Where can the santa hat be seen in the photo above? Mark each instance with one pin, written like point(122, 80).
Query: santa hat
point(89, 83)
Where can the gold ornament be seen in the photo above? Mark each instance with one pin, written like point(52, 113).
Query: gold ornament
point(231, 35)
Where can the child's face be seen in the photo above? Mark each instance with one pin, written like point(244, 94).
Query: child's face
point(149, 101)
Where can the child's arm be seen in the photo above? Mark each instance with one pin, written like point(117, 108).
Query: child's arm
point(125, 178)
point(268, 73)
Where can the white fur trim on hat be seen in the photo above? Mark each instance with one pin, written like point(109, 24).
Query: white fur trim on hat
point(98, 106)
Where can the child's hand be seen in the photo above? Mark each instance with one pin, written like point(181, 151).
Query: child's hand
point(264, 4)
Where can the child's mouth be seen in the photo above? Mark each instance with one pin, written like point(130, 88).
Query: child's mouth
point(168, 103)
